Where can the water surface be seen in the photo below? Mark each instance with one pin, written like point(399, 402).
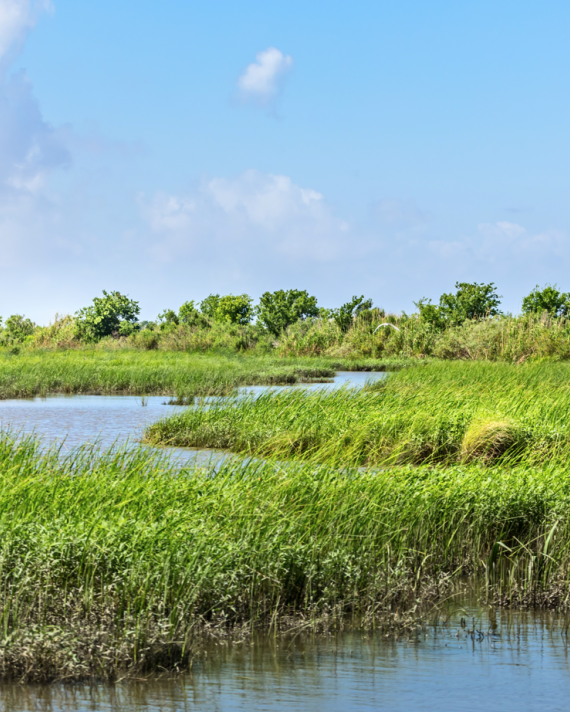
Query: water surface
point(523, 666)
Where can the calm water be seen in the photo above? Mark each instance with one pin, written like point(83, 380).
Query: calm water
point(524, 666)
point(75, 420)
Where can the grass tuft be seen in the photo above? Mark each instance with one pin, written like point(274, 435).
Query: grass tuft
point(490, 440)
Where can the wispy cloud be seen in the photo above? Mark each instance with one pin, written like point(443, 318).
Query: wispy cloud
point(250, 218)
point(17, 18)
point(262, 80)
point(30, 148)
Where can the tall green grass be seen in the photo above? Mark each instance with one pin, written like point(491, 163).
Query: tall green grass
point(441, 413)
point(116, 563)
point(151, 372)
point(505, 338)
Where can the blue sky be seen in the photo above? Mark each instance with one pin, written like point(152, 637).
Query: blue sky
point(174, 149)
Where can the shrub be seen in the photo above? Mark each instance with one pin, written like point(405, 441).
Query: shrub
point(109, 315)
point(189, 315)
point(234, 310)
point(548, 300)
point(345, 315)
point(278, 310)
point(470, 301)
point(17, 329)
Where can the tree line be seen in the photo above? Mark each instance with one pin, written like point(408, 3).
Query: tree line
point(115, 314)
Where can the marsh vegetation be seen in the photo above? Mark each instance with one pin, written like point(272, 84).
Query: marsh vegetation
point(465, 324)
point(119, 564)
point(444, 413)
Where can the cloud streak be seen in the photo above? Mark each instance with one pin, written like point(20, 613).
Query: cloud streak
point(17, 18)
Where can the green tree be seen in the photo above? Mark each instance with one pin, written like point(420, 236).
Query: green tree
point(167, 319)
point(549, 299)
point(209, 305)
point(430, 313)
point(470, 301)
point(278, 310)
point(234, 310)
point(189, 315)
point(344, 315)
point(109, 315)
point(229, 309)
point(17, 328)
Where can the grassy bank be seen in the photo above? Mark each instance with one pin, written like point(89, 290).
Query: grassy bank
point(501, 338)
point(185, 375)
point(441, 413)
point(115, 564)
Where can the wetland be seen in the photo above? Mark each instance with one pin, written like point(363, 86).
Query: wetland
point(346, 520)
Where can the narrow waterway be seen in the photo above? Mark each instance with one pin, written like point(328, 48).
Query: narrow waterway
point(110, 420)
point(518, 662)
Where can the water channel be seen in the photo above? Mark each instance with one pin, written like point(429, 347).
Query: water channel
point(520, 664)
point(74, 420)
point(520, 661)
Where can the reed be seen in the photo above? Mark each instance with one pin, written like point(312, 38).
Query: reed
point(116, 563)
point(183, 375)
point(502, 338)
point(441, 413)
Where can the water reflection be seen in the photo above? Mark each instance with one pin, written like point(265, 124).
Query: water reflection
point(525, 666)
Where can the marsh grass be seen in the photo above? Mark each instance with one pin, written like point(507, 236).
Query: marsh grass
point(505, 338)
point(175, 374)
point(443, 413)
point(116, 563)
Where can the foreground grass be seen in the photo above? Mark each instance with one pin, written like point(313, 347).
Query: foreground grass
point(114, 564)
point(440, 413)
point(158, 373)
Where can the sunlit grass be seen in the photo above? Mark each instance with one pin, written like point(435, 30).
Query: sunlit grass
point(117, 561)
point(162, 373)
point(441, 413)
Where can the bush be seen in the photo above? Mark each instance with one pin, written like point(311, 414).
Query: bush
point(113, 314)
point(278, 310)
point(17, 329)
point(470, 301)
point(346, 314)
point(548, 300)
point(189, 315)
point(145, 339)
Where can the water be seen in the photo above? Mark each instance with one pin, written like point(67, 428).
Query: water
point(108, 420)
point(525, 666)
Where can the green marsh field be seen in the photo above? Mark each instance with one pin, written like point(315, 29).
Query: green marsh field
point(178, 374)
point(350, 508)
point(117, 564)
point(439, 413)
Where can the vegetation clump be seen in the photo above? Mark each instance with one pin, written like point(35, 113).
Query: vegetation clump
point(440, 413)
point(117, 564)
point(490, 440)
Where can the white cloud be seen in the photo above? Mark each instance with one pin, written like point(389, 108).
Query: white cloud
point(17, 18)
point(245, 217)
point(262, 79)
point(501, 229)
point(29, 147)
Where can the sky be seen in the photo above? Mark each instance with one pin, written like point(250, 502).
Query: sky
point(176, 149)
